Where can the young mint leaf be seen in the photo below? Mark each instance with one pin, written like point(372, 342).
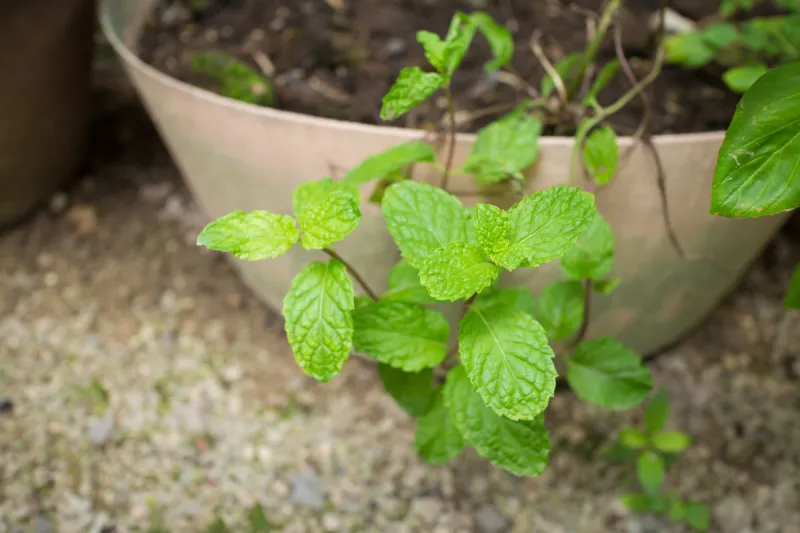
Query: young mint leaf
point(505, 353)
point(688, 49)
point(602, 79)
point(457, 271)
point(566, 68)
point(445, 56)
point(319, 321)
point(792, 298)
point(593, 256)
point(560, 309)
point(258, 520)
point(739, 79)
point(637, 503)
point(601, 155)
point(438, 440)
point(404, 285)
point(411, 390)
point(412, 87)
point(521, 447)
point(504, 148)
point(518, 297)
point(604, 372)
point(757, 172)
point(632, 438)
point(698, 516)
point(606, 286)
point(500, 40)
point(719, 34)
point(236, 79)
point(401, 334)
point(650, 471)
point(491, 228)
point(671, 441)
point(656, 412)
point(677, 510)
point(545, 225)
point(380, 165)
point(327, 212)
point(251, 236)
point(422, 219)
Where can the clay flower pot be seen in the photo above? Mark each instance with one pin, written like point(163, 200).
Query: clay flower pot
point(45, 68)
point(241, 156)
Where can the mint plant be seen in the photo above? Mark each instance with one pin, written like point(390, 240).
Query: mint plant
point(745, 48)
point(490, 390)
point(654, 448)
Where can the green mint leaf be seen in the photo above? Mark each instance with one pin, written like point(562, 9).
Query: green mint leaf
point(545, 225)
point(389, 161)
point(606, 286)
point(505, 353)
point(518, 297)
point(719, 35)
point(601, 155)
point(792, 298)
point(560, 309)
point(504, 148)
point(362, 301)
point(593, 255)
point(677, 510)
point(500, 40)
point(739, 79)
point(688, 49)
point(757, 172)
point(412, 87)
point(422, 219)
point(602, 79)
point(457, 271)
point(491, 228)
point(250, 235)
point(412, 391)
point(656, 412)
point(698, 516)
point(327, 212)
point(638, 503)
point(404, 285)
point(650, 471)
point(605, 372)
point(521, 447)
point(671, 441)
point(632, 438)
point(258, 520)
point(401, 334)
point(445, 56)
point(438, 439)
point(235, 78)
point(566, 68)
point(319, 318)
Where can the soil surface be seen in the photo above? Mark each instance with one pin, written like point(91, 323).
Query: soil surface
point(337, 58)
point(143, 388)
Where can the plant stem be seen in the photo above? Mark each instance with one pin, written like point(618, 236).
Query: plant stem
point(451, 148)
point(548, 67)
point(594, 45)
point(352, 271)
point(589, 124)
point(587, 302)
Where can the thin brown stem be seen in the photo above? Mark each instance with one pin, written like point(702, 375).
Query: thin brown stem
point(356, 276)
point(558, 82)
point(451, 147)
point(587, 303)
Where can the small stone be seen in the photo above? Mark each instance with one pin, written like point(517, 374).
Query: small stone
point(6, 406)
point(732, 512)
point(306, 490)
point(396, 46)
point(427, 508)
point(175, 14)
point(489, 520)
point(84, 218)
point(100, 428)
point(58, 202)
point(50, 279)
point(42, 524)
point(331, 522)
point(155, 192)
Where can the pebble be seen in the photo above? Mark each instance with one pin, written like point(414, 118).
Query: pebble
point(100, 429)
point(306, 490)
point(84, 218)
point(489, 520)
point(427, 508)
point(331, 522)
point(396, 46)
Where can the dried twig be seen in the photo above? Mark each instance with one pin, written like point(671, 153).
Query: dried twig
point(558, 82)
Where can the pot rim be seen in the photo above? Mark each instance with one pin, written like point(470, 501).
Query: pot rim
point(406, 134)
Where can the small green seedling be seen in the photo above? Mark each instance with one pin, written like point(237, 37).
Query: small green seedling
point(655, 448)
point(745, 48)
point(235, 78)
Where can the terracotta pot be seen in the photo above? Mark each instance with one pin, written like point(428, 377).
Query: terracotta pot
point(45, 68)
point(240, 156)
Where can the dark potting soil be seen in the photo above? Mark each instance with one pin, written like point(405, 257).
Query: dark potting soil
point(337, 58)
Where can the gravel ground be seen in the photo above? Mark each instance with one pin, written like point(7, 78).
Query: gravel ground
point(143, 388)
